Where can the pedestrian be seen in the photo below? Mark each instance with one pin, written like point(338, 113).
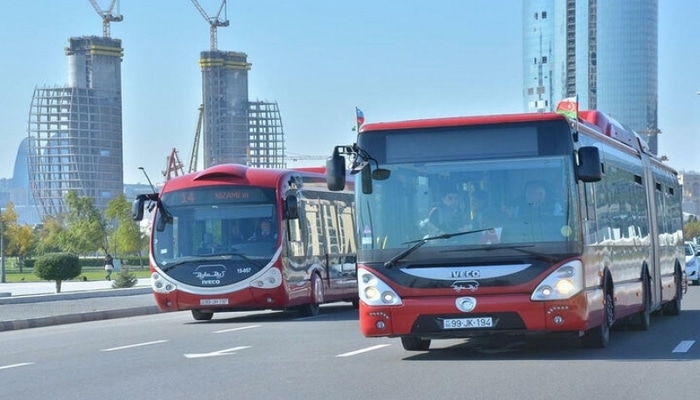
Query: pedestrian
point(109, 267)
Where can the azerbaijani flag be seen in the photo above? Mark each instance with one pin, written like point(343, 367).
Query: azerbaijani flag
point(568, 107)
point(360, 117)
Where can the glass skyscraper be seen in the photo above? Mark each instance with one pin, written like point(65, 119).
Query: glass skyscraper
point(604, 52)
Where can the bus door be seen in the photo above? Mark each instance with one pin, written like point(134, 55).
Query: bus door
point(655, 200)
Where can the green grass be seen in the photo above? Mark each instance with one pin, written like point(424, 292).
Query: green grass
point(90, 274)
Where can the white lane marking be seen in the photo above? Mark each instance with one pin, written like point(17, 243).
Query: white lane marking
point(225, 352)
point(683, 346)
point(352, 353)
point(238, 329)
point(131, 346)
point(15, 365)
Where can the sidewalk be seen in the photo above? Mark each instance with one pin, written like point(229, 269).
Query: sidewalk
point(36, 304)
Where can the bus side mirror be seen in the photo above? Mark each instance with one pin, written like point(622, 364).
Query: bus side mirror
point(335, 172)
point(589, 166)
point(291, 207)
point(137, 208)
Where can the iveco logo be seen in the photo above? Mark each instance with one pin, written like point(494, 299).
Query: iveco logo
point(465, 285)
point(472, 273)
point(465, 304)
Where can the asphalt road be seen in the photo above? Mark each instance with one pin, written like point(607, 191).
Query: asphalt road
point(35, 304)
point(277, 355)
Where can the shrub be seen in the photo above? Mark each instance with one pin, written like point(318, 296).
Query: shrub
point(57, 267)
point(124, 279)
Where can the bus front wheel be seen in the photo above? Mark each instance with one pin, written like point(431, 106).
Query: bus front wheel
point(201, 316)
point(599, 337)
point(314, 307)
point(412, 343)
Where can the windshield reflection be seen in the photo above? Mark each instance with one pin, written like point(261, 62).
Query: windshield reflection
point(514, 201)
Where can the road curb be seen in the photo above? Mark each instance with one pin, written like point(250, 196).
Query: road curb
point(23, 299)
point(75, 318)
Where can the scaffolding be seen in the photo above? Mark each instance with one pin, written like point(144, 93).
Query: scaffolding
point(75, 132)
point(266, 136)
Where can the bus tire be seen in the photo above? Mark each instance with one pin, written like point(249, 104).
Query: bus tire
point(313, 308)
point(673, 307)
point(413, 343)
point(599, 337)
point(642, 320)
point(201, 315)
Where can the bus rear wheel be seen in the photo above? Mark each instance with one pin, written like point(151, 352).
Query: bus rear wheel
point(642, 321)
point(412, 343)
point(314, 307)
point(201, 315)
point(673, 307)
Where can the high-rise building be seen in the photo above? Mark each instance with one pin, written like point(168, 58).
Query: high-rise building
point(604, 52)
point(75, 132)
point(234, 129)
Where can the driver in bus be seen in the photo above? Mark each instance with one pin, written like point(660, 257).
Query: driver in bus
point(264, 232)
point(448, 216)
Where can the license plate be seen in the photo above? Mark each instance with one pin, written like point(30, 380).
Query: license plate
point(466, 323)
point(212, 302)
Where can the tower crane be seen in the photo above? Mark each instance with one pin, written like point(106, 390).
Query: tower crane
point(107, 15)
point(214, 22)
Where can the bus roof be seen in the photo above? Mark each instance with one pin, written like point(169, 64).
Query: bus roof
point(461, 121)
point(222, 173)
point(598, 121)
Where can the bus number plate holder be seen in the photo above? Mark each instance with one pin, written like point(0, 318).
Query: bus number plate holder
point(212, 302)
point(467, 323)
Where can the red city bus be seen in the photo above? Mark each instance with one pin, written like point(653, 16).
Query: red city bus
point(232, 238)
point(511, 224)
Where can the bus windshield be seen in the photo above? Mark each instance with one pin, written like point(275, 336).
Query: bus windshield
point(218, 222)
point(507, 201)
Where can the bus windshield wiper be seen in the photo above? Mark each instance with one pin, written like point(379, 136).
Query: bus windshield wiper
point(418, 243)
point(520, 248)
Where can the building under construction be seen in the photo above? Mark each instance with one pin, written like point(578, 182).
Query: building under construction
point(75, 132)
point(236, 130)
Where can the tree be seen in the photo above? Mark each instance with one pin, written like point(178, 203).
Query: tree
point(691, 229)
point(57, 267)
point(85, 231)
point(49, 235)
point(126, 236)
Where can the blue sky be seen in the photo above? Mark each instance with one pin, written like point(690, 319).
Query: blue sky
point(319, 59)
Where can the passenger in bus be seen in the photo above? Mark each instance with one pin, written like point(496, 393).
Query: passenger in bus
point(235, 236)
point(486, 215)
point(448, 216)
point(536, 215)
point(264, 232)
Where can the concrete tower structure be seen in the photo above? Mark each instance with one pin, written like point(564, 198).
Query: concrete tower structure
point(234, 129)
point(604, 52)
point(225, 101)
point(75, 132)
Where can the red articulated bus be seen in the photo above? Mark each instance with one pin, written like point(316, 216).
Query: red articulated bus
point(511, 224)
point(233, 238)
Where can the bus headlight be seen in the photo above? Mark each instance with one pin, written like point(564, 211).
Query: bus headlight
point(374, 292)
point(161, 284)
point(561, 284)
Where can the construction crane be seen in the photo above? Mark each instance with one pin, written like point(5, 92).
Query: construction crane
point(195, 147)
point(214, 22)
point(107, 15)
point(174, 166)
